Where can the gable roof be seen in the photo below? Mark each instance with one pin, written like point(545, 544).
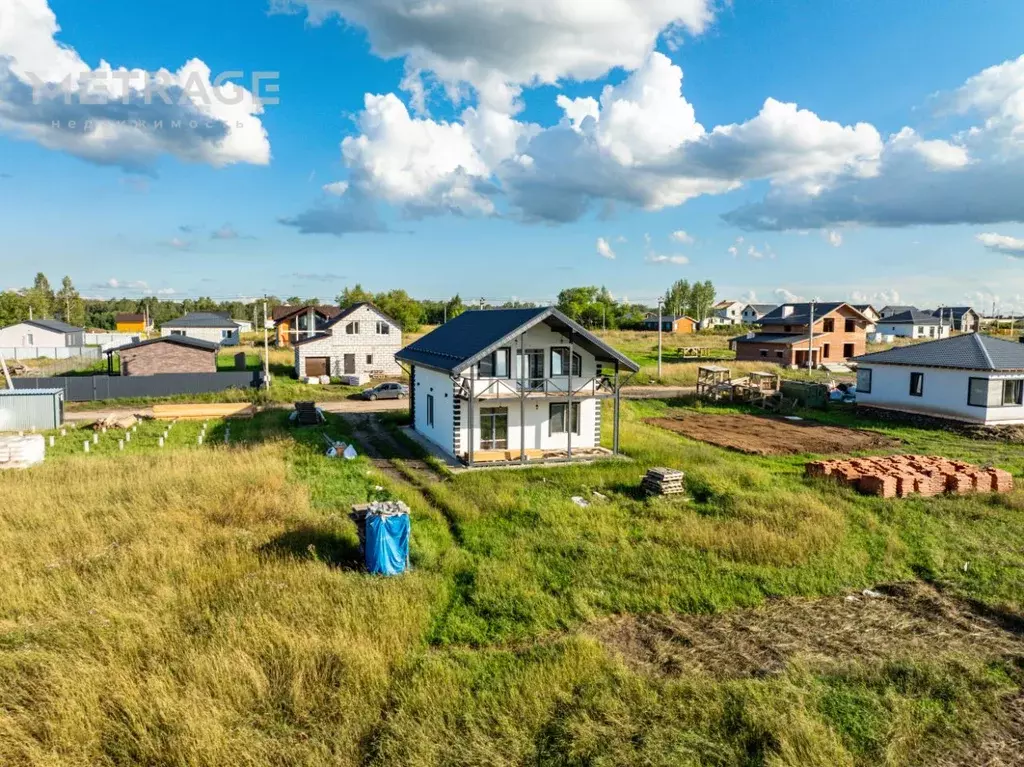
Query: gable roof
point(125, 317)
point(896, 309)
point(280, 313)
point(55, 325)
point(202, 320)
point(802, 313)
point(653, 318)
point(195, 343)
point(957, 311)
point(863, 308)
point(968, 352)
point(761, 308)
point(911, 317)
point(468, 338)
point(328, 329)
point(787, 339)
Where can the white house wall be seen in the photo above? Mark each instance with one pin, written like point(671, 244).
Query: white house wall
point(428, 382)
point(24, 335)
point(381, 347)
point(536, 437)
point(944, 395)
point(905, 330)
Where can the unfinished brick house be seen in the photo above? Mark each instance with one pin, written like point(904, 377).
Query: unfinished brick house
point(785, 338)
point(168, 354)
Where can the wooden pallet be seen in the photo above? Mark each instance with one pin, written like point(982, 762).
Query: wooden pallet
point(201, 412)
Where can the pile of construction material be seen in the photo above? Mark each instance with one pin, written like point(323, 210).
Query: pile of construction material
point(307, 414)
point(897, 476)
point(662, 481)
point(21, 452)
point(123, 422)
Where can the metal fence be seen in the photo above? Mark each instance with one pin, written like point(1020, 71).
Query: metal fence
point(91, 388)
point(50, 352)
point(111, 340)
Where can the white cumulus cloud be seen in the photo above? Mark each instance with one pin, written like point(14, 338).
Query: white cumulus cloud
point(1002, 243)
point(604, 249)
point(655, 258)
point(682, 237)
point(50, 96)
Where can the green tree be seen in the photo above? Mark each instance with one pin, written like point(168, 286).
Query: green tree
point(679, 298)
point(702, 300)
point(13, 308)
point(454, 307)
point(69, 303)
point(398, 305)
point(40, 297)
point(351, 296)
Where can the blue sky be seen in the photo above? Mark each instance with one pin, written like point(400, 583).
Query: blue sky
point(833, 201)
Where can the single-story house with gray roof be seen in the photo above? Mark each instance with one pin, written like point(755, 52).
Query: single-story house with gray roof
point(974, 378)
point(206, 326)
point(504, 386)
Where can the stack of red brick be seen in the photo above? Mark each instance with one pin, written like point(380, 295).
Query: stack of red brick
point(897, 476)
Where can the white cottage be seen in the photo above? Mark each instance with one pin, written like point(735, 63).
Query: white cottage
point(513, 386)
point(913, 324)
point(205, 326)
point(973, 378)
point(41, 333)
point(361, 341)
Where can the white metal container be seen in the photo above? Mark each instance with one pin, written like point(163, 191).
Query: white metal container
point(25, 409)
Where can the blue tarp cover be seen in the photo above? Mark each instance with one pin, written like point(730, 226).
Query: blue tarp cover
point(387, 543)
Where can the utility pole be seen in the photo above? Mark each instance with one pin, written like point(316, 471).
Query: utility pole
point(810, 343)
point(266, 347)
point(6, 372)
point(659, 339)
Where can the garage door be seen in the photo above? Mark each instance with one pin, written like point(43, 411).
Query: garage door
point(318, 366)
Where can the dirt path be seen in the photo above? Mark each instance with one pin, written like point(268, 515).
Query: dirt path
point(760, 435)
point(381, 447)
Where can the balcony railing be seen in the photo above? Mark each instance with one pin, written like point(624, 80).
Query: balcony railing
point(513, 388)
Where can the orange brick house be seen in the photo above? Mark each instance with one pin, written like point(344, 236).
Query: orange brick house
point(671, 324)
point(840, 332)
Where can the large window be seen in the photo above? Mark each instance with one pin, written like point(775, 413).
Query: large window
point(430, 410)
point(560, 362)
point(1013, 392)
point(383, 328)
point(495, 365)
point(917, 384)
point(556, 418)
point(494, 428)
point(352, 329)
point(864, 380)
point(977, 392)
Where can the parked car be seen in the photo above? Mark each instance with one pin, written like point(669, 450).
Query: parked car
point(387, 391)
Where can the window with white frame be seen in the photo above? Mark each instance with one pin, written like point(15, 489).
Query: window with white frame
point(383, 328)
point(1013, 392)
point(557, 418)
point(352, 329)
point(978, 392)
point(864, 380)
point(917, 384)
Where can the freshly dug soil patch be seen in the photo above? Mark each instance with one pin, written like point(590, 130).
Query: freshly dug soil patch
point(901, 621)
point(760, 435)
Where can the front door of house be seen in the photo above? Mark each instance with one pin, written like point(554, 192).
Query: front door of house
point(350, 364)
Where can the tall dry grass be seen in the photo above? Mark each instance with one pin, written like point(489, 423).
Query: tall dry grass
point(189, 608)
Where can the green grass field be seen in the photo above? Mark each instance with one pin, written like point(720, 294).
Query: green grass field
point(203, 605)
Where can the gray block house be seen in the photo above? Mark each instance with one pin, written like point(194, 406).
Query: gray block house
point(361, 341)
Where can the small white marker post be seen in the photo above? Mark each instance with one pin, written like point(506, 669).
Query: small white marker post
point(127, 436)
point(51, 440)
point(120, 444)
point(95, 439)
point(200, 439)
point(85, 446)
point(63, 432)
point(160, 442)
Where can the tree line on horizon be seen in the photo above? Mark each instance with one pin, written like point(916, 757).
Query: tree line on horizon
point(591, 306)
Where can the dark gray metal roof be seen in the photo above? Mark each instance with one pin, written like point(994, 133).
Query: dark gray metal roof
point(801, 314)
point(896, 309)
point(466, 339)
point(653, 319)
point(957, 311)
point(195, 343)
point(761, 308)
point(967, 352)
point(911, 317)
point(201, 320)
point(55, 325)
